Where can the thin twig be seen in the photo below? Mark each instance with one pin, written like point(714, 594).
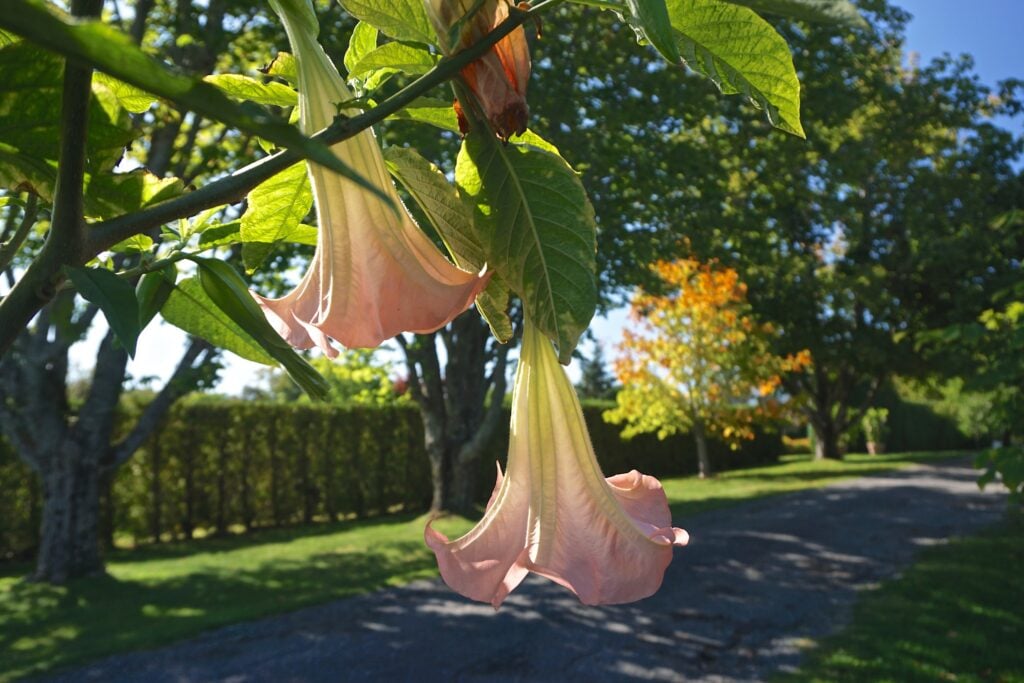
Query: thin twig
point(9, 249)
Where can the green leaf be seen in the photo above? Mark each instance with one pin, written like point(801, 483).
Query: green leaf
point(115, 297)
point(26, 173)
point(190, 308)
point(741, 53)
point(841, 12)
point(400, 19)
point(531, 138)
point(437, 113)
point(275, 207)
point(284, 67)
point(362, 43)
point(453, 221)
point(134, 244)
point(220, 235)
point(242, 87)
point(114, 194)
point(651, 23)
point(228, 291)
point(30, 101)
point(404, 57)
point(223, 234)
point(153, 291)
point(537, 227)
point(109, 50)
point(128, 96)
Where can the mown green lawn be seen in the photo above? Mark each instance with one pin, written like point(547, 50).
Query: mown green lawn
point(157, 594)
point(956, 615)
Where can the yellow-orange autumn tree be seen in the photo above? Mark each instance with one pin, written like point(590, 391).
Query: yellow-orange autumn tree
point(696, 360)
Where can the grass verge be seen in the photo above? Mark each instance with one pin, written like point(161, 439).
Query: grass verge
point(956, 615)
point(158, 594)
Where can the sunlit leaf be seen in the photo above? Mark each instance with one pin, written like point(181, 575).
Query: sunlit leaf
point(741, 53)
point(537, 228)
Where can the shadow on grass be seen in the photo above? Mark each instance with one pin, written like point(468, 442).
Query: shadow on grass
point(169, 592)
point(45, 627)
point(958, 614)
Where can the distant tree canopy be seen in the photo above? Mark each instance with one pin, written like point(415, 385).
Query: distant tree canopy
point(356, 377)
point(596, 380)
point(696, 360)
point(876, 229)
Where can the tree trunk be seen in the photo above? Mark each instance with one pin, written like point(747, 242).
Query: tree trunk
point(826, 440)
point(70, 540)
point(156, 493)
point(463, 492)
point(703, 461)
point(439, 466)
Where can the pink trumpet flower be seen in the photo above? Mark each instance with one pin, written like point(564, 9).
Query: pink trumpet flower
point(499, 78)
point(553, 513)
point(374, 273)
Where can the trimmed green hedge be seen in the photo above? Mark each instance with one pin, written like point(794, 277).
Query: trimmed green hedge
point(220, 464)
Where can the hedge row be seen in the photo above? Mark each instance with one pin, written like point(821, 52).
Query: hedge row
point(219, 464)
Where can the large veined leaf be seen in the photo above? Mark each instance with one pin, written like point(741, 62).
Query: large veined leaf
point(453, 221)
point(651, 23)
point(107, 49)
point(842, 12)
point(189, 308)
point(275, 207)
point(131, 98)
point(741, 53)
point(537, 228)
point(400, 19)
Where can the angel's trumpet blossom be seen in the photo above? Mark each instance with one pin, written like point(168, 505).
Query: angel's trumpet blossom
point(498, 79)
point(553, 512)
point(374, 273)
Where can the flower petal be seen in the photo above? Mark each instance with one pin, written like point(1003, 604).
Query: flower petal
point(487, 563)
point(553, 513)
point(611, 543)
point(375, 273)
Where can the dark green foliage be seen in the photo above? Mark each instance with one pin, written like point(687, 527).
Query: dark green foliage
point(20, 499)
point(227, 465)
point(220, 465)
point(917, 425)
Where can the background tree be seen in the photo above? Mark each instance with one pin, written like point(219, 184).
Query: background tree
point(70, 444)
point(698, 362)
point(596, 381)
point(876, 228)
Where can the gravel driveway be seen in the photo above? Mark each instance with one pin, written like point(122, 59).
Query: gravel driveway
point(755, 582)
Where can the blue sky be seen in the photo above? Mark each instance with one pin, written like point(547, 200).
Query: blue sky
point(990, 30)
